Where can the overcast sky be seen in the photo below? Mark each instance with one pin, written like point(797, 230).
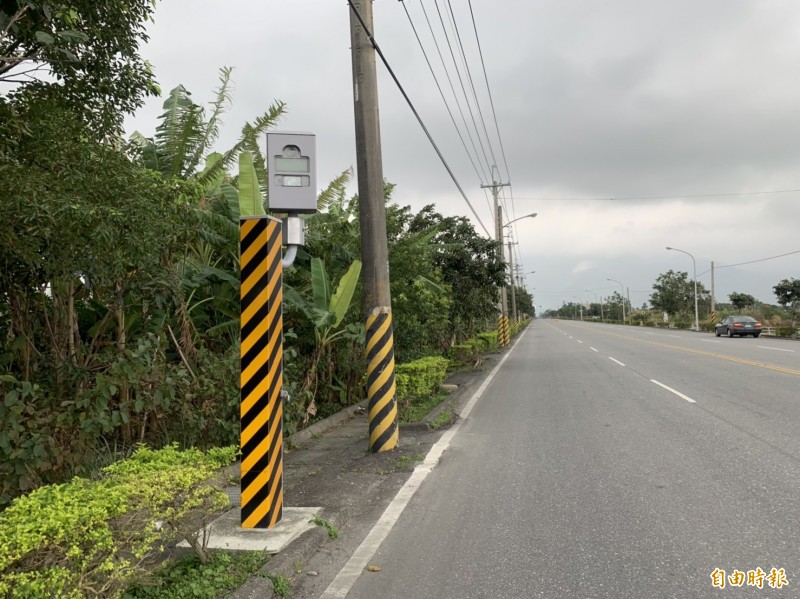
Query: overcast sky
point(593, 100)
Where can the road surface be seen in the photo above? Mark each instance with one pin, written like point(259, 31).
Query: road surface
point(608, 461)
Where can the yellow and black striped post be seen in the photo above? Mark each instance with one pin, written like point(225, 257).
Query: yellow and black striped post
point(383, 433)
point(503, 331)
point(500, 335)
point(261, 410)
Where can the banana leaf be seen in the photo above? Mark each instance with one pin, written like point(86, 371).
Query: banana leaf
point(340, 301)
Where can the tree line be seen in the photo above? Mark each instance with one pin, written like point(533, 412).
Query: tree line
point(673, 297)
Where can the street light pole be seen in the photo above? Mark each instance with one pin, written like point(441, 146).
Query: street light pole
point(511, 278)
point(694, 272)
point(622, 296)
point(511, 265)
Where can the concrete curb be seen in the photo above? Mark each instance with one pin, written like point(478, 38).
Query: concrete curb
point(304, 548)
point(282, 564)
point(323, 426)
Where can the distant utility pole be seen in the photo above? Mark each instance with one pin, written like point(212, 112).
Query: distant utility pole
point(511, 272)
point(383, 426)
point(502, 325)
point(713, 301)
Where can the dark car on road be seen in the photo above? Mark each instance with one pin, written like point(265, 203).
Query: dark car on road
point(738, 325)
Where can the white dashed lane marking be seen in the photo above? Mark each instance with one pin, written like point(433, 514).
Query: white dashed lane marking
point(671, 390)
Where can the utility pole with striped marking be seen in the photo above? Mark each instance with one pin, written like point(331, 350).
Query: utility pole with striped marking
point(503, 328)
point(383, 426)
point(261, 408)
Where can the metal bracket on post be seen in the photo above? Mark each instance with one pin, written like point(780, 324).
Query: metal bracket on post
point(293, 237)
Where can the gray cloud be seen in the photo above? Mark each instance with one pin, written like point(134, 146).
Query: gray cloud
point(594, 99)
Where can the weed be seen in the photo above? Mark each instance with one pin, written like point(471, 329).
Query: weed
point(443, 420)
point(298, 566)
point(419, 407)
point(281, 585)
point(405, 462)
point(333, 532)
point(189, 578)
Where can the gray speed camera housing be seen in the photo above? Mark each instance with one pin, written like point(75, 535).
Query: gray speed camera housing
point(292, 165)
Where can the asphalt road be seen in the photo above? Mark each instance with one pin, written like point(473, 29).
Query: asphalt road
point(607, 461)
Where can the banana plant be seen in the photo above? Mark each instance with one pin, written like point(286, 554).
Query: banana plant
point(326, 311)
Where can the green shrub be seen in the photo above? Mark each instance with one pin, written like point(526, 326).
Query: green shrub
point(464, 353)
point(785, 331)
point(46, 438)
point(188, 578)
point(420, 377)
point(91, 538)
point(489, 340)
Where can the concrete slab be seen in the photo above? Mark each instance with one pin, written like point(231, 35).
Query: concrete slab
point(226, 532)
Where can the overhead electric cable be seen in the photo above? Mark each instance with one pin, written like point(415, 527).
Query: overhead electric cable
point(368, 33)
point(471, 81)
point(439, 87)
point(672, 197)
point(489, 89)
point(452, 88)
point(461, 81)
point(716, 266)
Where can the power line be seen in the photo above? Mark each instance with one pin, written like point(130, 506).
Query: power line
point(471, 82)
point(461, 82)
point(441, 92)
point(750, 262)
point(414, 110)
point(672, 197)
point(453, 89)
point(491, 100)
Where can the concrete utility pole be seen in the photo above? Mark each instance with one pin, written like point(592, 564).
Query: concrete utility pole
point(713, 301)
point(498, 231)
point(383, 426)
point(511, 272)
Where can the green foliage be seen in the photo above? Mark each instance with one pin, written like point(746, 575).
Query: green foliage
point(421, 300)
point(674, 293)
point(742, 300)
point(468, 352)
point(189, 578)
point(326, 313)
point(443, 420)
point(416, 408)
point(93, 537)
point(420, 377)
point(788, 292)
point(281, 585)
point(330, 528)
point(468, 265)
point(250, 202)
point(90, 48)
point(786, 331)
point(488, 340)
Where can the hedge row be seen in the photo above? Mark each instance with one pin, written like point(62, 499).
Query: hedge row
point(93, 538)
point(420, 377)
point(468, 351)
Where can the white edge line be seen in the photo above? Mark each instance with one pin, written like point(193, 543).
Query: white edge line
point(671, 390)
point(617, 361)
point(579, 341)
point(775, 348)
point(348, 575)
point(593, 349)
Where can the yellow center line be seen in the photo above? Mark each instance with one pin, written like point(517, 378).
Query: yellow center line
point(700, 352)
